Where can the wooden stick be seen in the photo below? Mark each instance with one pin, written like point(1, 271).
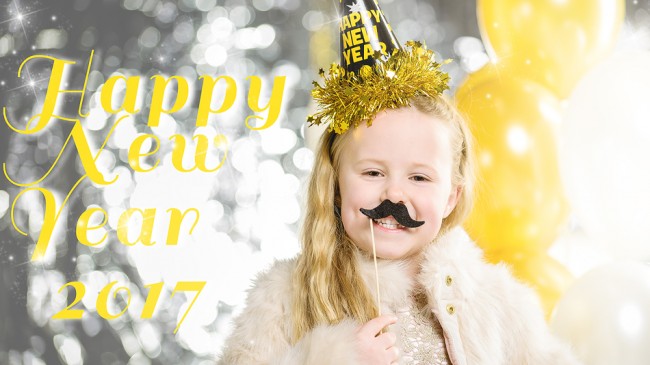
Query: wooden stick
point(374, 255)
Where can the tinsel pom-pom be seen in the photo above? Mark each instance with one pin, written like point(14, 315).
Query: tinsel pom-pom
point(347, 98)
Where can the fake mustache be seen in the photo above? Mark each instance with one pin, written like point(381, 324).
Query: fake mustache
point(397, 210)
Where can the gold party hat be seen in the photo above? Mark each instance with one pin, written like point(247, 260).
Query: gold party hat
point(375, 73)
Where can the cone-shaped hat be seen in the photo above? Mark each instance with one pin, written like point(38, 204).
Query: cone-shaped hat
point(365, 34)
point(375, 72)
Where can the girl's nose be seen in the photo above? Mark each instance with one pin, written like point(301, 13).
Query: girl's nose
point(393, 192)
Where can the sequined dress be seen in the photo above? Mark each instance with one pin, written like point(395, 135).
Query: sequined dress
point(421, 336)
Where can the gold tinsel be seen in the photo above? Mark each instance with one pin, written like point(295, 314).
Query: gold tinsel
point(348, 98)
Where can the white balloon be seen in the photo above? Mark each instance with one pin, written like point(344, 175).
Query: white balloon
point(605, 154)
point(605, 315)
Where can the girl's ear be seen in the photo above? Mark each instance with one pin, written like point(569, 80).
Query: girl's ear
point(454, 195)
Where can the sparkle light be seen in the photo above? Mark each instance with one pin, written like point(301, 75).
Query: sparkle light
point(20, 16)
point(518, 140)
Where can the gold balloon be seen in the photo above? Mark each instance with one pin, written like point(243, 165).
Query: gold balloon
point(551, 42)
point(488, 72)
point(520, 204)
point(549, 278)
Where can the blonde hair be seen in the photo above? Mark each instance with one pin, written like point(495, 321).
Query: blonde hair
point(327, 285)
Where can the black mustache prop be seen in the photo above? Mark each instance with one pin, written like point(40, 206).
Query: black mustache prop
point(397, 210)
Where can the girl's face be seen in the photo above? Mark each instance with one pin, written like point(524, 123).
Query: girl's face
point(405, 156)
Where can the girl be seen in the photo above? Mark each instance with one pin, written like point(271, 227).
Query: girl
point(440, 303)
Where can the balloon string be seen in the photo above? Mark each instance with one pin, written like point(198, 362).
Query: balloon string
point(374, 255)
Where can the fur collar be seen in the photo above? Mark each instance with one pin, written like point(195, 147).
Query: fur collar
point(449, 251)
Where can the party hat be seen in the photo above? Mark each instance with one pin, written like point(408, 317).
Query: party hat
point(375, 72)
point(366, 35)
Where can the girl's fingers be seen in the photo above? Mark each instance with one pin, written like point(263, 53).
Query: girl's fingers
point(387, 340)
point(375, 325)
point(395, 353)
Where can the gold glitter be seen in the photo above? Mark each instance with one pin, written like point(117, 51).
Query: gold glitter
point(346, 99)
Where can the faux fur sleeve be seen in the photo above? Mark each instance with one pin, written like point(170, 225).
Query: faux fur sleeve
point(488, 316)
point(326, 345)
point(260, 334)
point(530, 337)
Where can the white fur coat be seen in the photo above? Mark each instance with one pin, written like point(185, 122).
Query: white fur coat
point(488, 318)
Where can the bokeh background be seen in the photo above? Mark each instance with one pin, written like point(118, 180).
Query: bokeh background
point(557, 97)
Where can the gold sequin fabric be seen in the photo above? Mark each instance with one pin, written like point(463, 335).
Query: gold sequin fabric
point(422, 340)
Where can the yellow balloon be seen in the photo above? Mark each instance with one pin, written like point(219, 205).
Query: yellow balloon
point(520, 203)
point(488, 72)
point(552, 42)
point(549, 278)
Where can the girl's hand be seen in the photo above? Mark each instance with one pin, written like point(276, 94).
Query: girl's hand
point(376, 348)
